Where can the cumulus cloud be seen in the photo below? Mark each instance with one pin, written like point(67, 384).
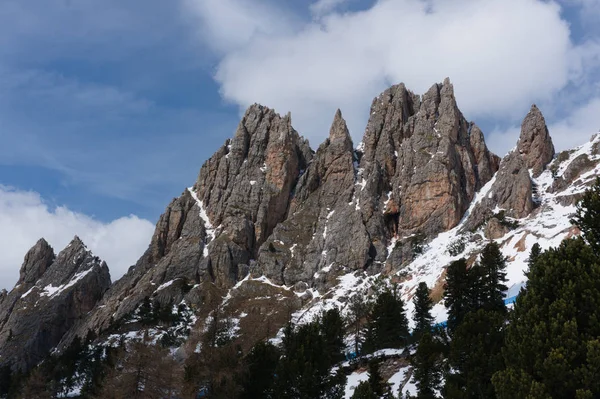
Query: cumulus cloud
point(25, 217)
point(578, 127)
point(501, 55)
point(226, 25)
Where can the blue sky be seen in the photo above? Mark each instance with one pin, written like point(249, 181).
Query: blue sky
point(109, 108)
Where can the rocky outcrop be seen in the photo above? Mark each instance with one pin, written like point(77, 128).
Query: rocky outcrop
point(324, 229)
point(512, 189)
point(247, 185)
point(422, 164)
point(576, 168)
point(535, 144)
point(52, 294)
point(37, 260)
point(265, 204)
point(212, 232)
point(510, 192)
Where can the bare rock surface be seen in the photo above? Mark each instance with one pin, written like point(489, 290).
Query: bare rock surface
point(51, 296)
point(535, 144)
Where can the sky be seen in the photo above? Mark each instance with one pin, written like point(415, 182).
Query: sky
point(109, 108)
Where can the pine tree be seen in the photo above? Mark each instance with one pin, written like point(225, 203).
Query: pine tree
point(364, 391)
point(359, 310)
point(587, 216)
point(475, 354)
point(388, 326)
point(536, 250)
point(304, 370)
point(493, 265)
point(145, 312)
point(422, 313)
point(427, 367)
point(552, 349)
point(332, 329)
point(375, 379)
point(261, 363)
point(457, 293)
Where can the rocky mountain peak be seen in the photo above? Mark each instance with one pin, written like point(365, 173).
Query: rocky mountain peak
point(339, 136)
point(535, 144)
point(37, 260)
point(74, 258)
point(52, 295)
point(513, 189)
point(339, 130)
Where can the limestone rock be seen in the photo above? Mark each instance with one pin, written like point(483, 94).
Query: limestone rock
point(422, 164)
point(576, 168)
point(35, 317)
point(494, 229)
point(323, 228)
point(535, 144)
point(511, 192)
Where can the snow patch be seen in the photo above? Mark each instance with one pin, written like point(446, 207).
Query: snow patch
point(210, 230)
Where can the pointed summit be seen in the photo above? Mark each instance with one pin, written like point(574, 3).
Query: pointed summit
point(37, 260)
point(77, 243)
point(339, 132)
point(535, 144)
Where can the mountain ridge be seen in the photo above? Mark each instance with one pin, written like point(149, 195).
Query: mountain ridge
point(273, 229)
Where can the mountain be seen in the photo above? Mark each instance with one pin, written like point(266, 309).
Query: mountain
point(272, 229)
point(52, 294)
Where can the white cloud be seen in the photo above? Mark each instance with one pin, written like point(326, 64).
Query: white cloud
point(230, 24)
point(501, 55)
point(578, 127)
point(25, 217)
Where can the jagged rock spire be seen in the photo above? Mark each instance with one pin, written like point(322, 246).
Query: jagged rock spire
point(535, 144)
point(53, 293)
point(37, 260)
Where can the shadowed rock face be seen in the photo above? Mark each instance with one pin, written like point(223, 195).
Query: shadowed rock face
point(52, 294)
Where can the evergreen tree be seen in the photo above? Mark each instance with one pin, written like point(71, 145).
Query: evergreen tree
point(552, 349)
point(332, 329)
point(145, 312)
point(261, 363)
point(536, 250)
point(388, 326)
point(375, 379)
point(457, 293)
point(477, 293)
point(427, 366)
point(493, 265)
point(587, 216)
point(364, 391)
point(422, 313)
point(304, 370)
point(359, 311)
point(475, 355)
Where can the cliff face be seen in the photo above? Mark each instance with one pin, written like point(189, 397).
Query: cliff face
point(51, 295)
point(513, 188)
point(270, 223)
